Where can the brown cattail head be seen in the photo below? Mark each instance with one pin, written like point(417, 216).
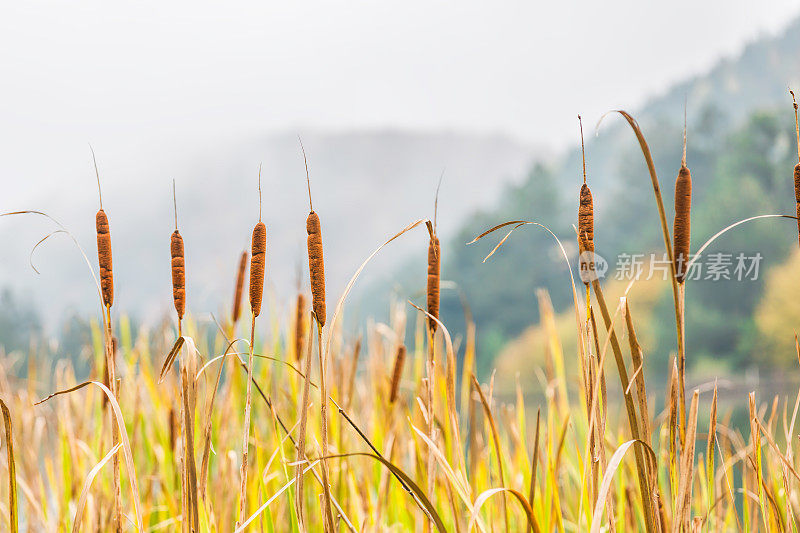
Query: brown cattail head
point(681, 228)
point(104, 258)
point(434, 276)
point(316, 266)
point(237, 295)
point(797, 166)
point(258, 254)
point(397, 373)
point(797, 195)
point(299, 325)
point(178, 273)
point(586, 233)
point(585, 220)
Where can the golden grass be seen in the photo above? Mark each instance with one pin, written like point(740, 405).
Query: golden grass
point(481, 461)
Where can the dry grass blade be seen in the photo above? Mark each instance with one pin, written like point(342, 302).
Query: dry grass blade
point(526, 506)
point(76, 526)
point(414, 489)
point(174, 351)
point(349, 286)
point(495, 438)
point(126, 445)
point(633, 417)
point(66, 232)
point(724, 230)
point(535, 459)
point(13, 517)
point(284, 488)
point(605, 486)
point(684, 505)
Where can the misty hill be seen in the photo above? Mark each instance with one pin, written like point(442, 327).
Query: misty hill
point(366, 185)
point(741, 152)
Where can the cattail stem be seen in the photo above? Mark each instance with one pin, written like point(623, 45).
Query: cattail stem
point(326, 488)
point(246, 438)
point(431, 372)
point(112, 380)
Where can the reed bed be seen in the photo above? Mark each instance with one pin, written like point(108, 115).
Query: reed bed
point(389, 430)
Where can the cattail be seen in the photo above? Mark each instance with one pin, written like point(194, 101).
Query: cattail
point(178, 264)
point(397, 373)
point(103, 246)
point(299, 329)
point(104, 258)
point(434, 276)
point(316, 266)
point(237, 298)
point(585, 216)
point(316, 263)
point(797, 196)
point(797, 167)
point(681, 227)
point(178, 273)
point(258, 254)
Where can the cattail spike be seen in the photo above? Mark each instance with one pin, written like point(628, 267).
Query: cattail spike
point(796, 124)
point(104, 258)
point(585, 220)
point(258, 253)
point(397, 373)
point(434, 277)
point(97, 174)
point(681, 227)
point(178, 273)
point(583, 149)
point(316, 266)
point(237, 295)
point(299, 326)
point(683, 157)
point(175, 204)
point(436, 202)
point(259, 192)
point(316, 261)
point(178, 263)
point(308, 178)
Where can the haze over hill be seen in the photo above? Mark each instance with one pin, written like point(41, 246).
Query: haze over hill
point(741, 149)
point(366, 185)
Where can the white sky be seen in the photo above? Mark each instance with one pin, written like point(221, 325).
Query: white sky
point(168, 70)
point(152, 83)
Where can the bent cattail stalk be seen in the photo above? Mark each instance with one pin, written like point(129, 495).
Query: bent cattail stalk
point(585, 217)
point(237, 296)
point(397, 373)
point(258, 252)
point(797, 167)
point(434, 276)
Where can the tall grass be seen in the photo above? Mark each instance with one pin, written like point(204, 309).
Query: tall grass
point(414, 441)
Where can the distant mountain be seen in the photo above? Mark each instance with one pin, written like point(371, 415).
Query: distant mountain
point(366, 185)
point(737, 155)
